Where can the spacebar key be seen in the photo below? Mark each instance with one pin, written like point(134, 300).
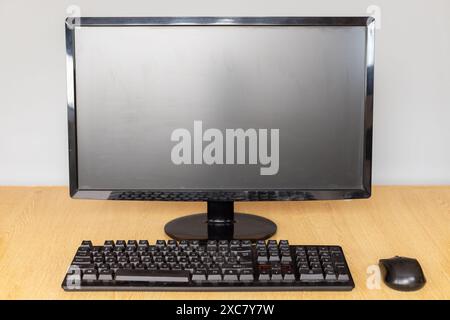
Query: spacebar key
point(152, 275)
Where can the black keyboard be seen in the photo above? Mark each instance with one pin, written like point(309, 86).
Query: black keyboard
point(213, 265)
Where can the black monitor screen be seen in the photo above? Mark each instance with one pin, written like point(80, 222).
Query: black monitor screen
point(220, 107)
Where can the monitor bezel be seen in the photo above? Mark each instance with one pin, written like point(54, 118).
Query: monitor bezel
point(364, 191)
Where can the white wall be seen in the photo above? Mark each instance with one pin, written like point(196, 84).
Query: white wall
point(412, 80)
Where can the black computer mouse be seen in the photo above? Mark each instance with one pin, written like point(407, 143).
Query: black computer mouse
point(401, 273)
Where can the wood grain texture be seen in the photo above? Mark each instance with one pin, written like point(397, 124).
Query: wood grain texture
point(41, 227)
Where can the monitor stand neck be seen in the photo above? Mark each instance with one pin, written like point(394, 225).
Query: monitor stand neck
point(220, 220)
point(220, 223)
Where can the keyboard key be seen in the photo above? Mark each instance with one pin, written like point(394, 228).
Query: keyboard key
point(82, 254)
point(260, 243)
point(118, 249)
point(246, 243)
point(224, 249)
point(231, 260)
point(164, 266)
point(238, 250)
point(230, 275)
point(171, 244)
point(272, 243)
point(130, 249)
point(183, 244)
point(110, 260)
point(139, 266)
point(275, 265)
point(120, 243)
point(152, 276)
point(81, 260)
point(235, 243)
point(311, 275)
point(132, 243)
point(229, 266)
point(115, 267)
point(127, 266)
point(327, 266)
point(89, 274)
point(276, 275)
point(143, 243)
point(194, 244)
point(342, 274)
point(152, 266)
point(330, 275)
point(246, 275)
point(83, 266)
point(261, 249)
point(264, 275)
point(337, 258)
point(103, 266)
point(189, 267)
point(105, 275)
point(286, 257)
point(86, 244)
point(160, 243)
point(262, 257)
point(214, 275)
point(223, 243)
point(109, 244)
point(273, 256)
point(289, 276)
point(211, 243)
point(246, 259)
point(315, 265)
point(300, 255)
point(199, 275)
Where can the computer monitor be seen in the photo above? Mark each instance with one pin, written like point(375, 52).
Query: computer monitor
point(220, 109)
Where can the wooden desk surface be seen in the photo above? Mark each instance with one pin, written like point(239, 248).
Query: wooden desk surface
point(41, 227)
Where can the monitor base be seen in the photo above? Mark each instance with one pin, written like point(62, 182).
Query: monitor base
point(220, 223)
